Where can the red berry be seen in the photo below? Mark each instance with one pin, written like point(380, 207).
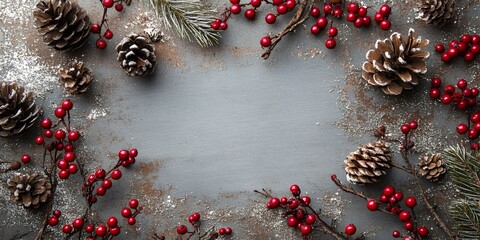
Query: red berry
point(398, 196)
point(107, 183)
point(372, 205)
point(422, 231)
point(221, 231)
point(385, 10)
point(101, 191)
point(101, 230)
point(182, 229)
point(408, 225)
point(270, 18)
point(133, 203)
point(95, 28)
point(475, 117)
point(236, 1)
point(388, 191)
point(462, 47)
point(273, 203)
point(383, 198)
point(396, 234)
point(351, 17)
point(123, 154)
point(466, 38)
point(60, 112)
point(78, 223)
point(333, 177)
point(469, 56)
point(294, 204)
point(101, 43)
point(126, 212)
point(315, 29)
point(290, 4)
point(26, 158)
point(115, 231)
point(196, 216)
point(118, 7)
point(332, 32)
point(446, 57)
point(255, 3)
point(306, 201)
point(100, 173)
point(46, 123)
point(330, 43)
point(215, 25)
point(60, 134)
point(265, 41)
point(462, 83)
point(306, 229)
point(282, 9)
point(404, 216)
point(39, 140)
point(283, 200)
point(378, 17)
point(327, 8)
point(436, 82)
point(72, 168)
point(112, 222)
point(108, 34)
point(362, 12)
point(235, 9)
point(353, 7)
point(69, 156)
point(358, 22)
point(410, 202)
point(295, 190)
point(338, 12)
point(228, 231)
point(292, 221)
point(67, 105)
point(395, 210)
point(462, 128)
point(69, 148)
point(310, 219)
point(366, 21)
point(57, 213)
point(434, 93)
point(116, 174)
point(439, 48)
point(472, 133)
point(48, 133)
point(250, 14)
point(475, 49)
point(89, 228)
point(475, 39)
point(449, 89)
point(67, 228)
point(277, 2)
point(73, 136)
point(322, 22)
point(452, 52)
point(315, 12)
point(385, 24)
point(350, 229)
point(131, 160)
point(62, 164)
point(52, 221)
point(223, 25)
point(405, 128)
point(107, 3)
point(63, 174)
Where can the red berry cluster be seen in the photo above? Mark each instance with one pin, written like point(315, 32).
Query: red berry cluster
point(381, 17)
point(194, 220)
point(465, 98)
point(467, 46)
point(104, 231)
point(97, 28)
point(391, 200)
point(357, 15)
point(407, 129)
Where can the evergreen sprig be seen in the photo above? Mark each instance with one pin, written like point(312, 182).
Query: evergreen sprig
point(464, 169)
point(190, 18)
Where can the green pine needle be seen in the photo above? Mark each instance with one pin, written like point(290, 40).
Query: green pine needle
point(190, 18)
point(464, 169)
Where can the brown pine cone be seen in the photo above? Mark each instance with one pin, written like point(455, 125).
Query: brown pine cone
point(63, 24)
point(437, 12)
point(368, 163)
point(432, 167)
point(18, 111)
point(76, 78)
point(29, 190)
point(396, 63)
point(136, 55)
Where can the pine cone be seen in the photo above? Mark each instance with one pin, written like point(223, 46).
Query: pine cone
point(136, 55)
point(29, 190)
point(18, 111)
point(63, 23)
point(432, 167)
point(396, 63)
point(76, 78)
point(437, 12)
point(368, 163)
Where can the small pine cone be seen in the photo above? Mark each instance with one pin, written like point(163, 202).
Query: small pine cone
point(368, 163)
point(154, 34)
point(76, 78)
point(136, 55)
point(396, 63)
point(18, 111)
point(432, 167)
point(29, 190)
point(63, 24)
point(436, 12)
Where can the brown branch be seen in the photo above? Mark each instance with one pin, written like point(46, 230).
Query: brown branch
point(300, 16)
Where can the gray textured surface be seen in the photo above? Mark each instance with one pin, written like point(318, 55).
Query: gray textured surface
point(213, 124)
